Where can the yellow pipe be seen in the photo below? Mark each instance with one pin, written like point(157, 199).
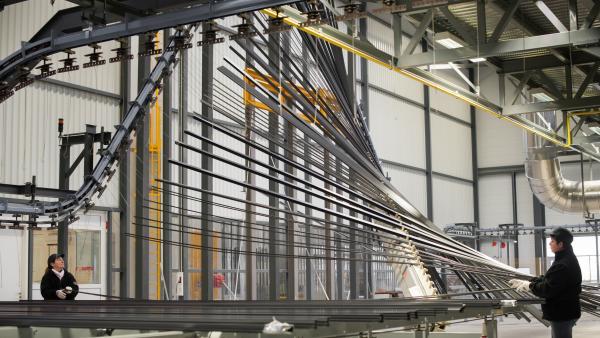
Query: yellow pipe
point(312, 30)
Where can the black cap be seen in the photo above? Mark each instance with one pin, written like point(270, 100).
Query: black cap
point(53, 257)
point(562, 235)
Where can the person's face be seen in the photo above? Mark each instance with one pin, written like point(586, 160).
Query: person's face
point(556, 247)
point(58, 264)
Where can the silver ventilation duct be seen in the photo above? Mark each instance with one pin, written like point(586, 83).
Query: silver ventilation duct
point(542, 169)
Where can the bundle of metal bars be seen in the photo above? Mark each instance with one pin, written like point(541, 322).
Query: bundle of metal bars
point(294, 135)
point(309, 318)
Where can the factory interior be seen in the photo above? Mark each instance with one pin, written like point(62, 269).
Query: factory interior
point(314, 168)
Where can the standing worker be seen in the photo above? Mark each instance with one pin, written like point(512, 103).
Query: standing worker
point(560, 286)
point(58, 283)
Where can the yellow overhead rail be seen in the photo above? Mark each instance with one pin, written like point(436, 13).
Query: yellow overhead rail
point(365, 50)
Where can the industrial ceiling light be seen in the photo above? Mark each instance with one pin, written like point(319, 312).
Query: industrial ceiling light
point(449, 40)
point(475, 60)
point(541, 97)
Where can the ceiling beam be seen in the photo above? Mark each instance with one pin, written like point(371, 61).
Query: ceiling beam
point(591, 17)
point(549, 14)
point(504, 21)
point(566, 105)
point(553, 40)
point(544, 61)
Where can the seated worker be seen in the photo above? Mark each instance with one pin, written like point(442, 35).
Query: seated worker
point(58, 283)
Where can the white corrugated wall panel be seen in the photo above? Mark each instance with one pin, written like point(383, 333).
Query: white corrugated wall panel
point(411, 184)
point(397, 129)
point(21, 21)
point(382, 38)
point(452, 201)
point(495, 200)
point(525, 216)
point(451, 150)
point(499, 143)
point(446, 103)
point(524, 201)
point(29, 142)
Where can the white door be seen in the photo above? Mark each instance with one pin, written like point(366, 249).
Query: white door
point(11, 262)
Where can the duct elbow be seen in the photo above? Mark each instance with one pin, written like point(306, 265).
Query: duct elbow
point(547, 183)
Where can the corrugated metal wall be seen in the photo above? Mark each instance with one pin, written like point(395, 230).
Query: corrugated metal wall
point(29, 142)
point(499, 143)
point(451, 147)
point(397, 129)
point(495, 201)
point(410, 183)
point(452, 201)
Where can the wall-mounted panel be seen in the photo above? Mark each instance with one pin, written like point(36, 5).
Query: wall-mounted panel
point(451, 147)
point(452, 201)
point(495, 201)
point(397, 130)
point(411, 184)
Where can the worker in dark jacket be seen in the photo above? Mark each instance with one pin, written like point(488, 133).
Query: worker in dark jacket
point(58, 283)
point(560, 286)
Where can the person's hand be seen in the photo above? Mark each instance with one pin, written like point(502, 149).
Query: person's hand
point(60, 294)
point(520, 285)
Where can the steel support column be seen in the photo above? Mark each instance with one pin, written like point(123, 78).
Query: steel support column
point(428, 166)
point(353, 262)
point(474, 160)
point(124, 184)
point(142, 184)
point(274, 278)
point(109, 253)
point(207, 164)
point(250, 208)
point(288, 134)
point(539, 220)
point(63, 184)
point(182, 174)
point(167, 111)
point(515, 218)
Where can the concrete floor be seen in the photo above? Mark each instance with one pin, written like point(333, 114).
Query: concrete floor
point(588, 326)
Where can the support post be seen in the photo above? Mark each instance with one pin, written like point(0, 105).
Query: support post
point(250, 217)
point(124, 185)
point(183, 178)
point(109, 253)
point(63, 183)
point(166, 175)
point(474, 164)
point(142, 185)
point(207, 164)
point(514, 231)
point(428, 165)
point(274, 279)
point(539, 220)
